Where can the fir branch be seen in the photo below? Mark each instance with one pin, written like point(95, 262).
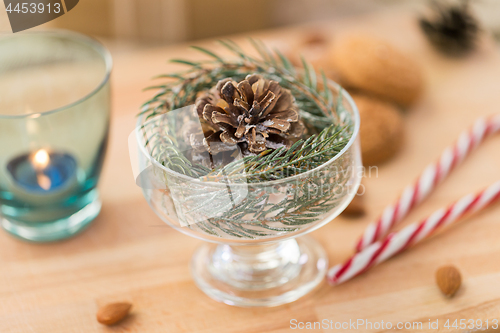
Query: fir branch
point(317, 106)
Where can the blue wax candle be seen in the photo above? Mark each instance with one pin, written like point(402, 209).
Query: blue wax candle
point(43, 171)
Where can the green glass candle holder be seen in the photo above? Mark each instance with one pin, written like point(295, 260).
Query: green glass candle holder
point(54, 124)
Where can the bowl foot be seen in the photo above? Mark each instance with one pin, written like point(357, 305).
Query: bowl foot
point(260, 275)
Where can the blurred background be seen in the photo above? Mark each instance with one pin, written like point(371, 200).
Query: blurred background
point(173, 21)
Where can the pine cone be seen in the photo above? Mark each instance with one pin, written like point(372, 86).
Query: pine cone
point(256, 114)
point(454, 30)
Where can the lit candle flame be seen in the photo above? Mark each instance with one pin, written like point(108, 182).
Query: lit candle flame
point(41, 160)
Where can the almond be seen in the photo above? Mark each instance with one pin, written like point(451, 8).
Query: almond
point(448, 280)
point(112, 313)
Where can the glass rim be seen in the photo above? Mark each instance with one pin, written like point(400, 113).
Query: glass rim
point(352, 139)
point(88, 41)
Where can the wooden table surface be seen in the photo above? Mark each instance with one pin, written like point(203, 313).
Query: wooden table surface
point(129, 254)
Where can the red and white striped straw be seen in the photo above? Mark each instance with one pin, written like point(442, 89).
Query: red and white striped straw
point(428, 180)
point(373, 248)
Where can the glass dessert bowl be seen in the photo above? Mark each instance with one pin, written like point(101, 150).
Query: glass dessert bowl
point(253, 255)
